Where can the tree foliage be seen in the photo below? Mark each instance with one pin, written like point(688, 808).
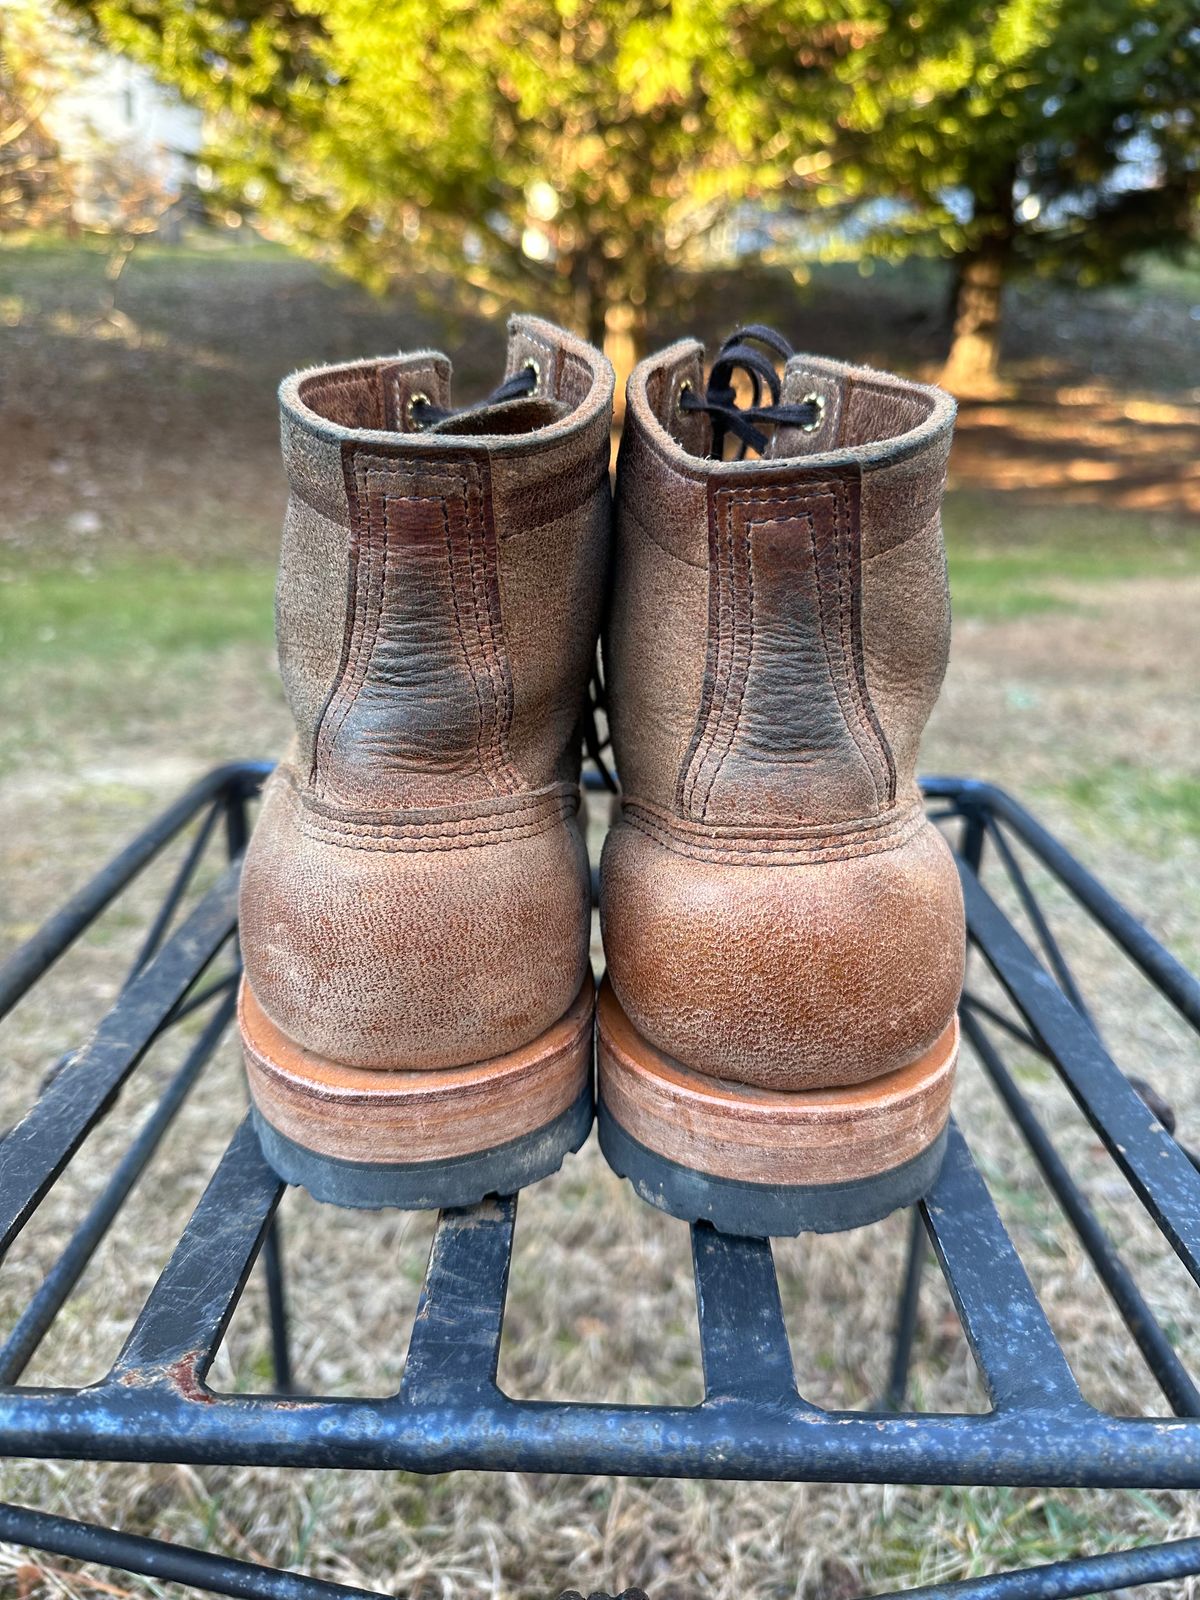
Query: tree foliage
point(35, 183)
point(572, 152)
point(85, 181)
point(558, 148)
point(1050, 136)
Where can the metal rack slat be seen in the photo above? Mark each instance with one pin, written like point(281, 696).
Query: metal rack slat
point(743, 1340)
point(169, 1563)
point(34, 1322)
point(1019, 1357)
point(40, 1145)
point(1157, 1350)
point(181, 1324)
point(1159, 1171)
point(454, 1347)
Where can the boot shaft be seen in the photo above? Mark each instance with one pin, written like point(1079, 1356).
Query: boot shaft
point(439, 587)
point(415, 895)
point(780, 627)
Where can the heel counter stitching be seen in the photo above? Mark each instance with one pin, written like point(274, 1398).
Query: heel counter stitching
point(471, 545)
point(740, 654)
point(835, 681)
point(761, 842)
point(730, 646)
point(716, 667)
point(462, 633)
point(485, 597)
point(473, 561)
point(502, 819)
point(844, 679)
point(369, 551)
point(848, 528)
point(732, 629)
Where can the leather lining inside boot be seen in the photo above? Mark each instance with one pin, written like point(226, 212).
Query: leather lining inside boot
point(510, 416)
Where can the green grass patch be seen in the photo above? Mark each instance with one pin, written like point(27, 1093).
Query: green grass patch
point(54, 251)
point(1172, 275)
point(121, 651)
point(957, 1535)
point(1009, 560)
point(156, 608)
point(1139, 804)
point(1004, 562)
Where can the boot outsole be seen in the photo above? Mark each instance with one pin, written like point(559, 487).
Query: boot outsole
point(761, 1162)
point(429, 1185)
point(420, 1140)
point(760, 1210)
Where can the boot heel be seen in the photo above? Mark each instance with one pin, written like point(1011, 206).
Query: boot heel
point(764, 1162)
point(420, 1140)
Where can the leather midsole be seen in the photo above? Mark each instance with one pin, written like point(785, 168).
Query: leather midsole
point(363, 1114)
point(741, 1132)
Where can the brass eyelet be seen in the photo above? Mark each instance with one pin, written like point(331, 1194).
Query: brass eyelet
point(530, 365)
point(818, 401)
point(414, 400)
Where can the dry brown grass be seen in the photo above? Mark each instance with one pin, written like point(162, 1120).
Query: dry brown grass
point(601, 1301)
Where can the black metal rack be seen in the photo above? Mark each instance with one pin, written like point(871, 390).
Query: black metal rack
point(155, 1405)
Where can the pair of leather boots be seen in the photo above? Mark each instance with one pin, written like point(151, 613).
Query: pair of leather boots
point(782, 926)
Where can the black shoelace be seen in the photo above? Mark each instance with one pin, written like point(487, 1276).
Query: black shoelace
point(746, 422)
point(594, 746)
point(426, 415)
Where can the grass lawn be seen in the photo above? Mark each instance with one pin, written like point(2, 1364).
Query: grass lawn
point(139, 518)
point(1011, 561)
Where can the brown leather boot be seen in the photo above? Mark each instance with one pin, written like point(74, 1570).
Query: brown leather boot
point(417, 1008)
point(783, 927)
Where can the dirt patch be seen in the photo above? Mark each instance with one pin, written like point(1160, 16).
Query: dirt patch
point(165, 432)
point(154, 425)
point(1093, 445)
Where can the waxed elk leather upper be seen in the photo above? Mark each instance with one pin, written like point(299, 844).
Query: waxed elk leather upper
point(416, 890)
point(776, 909)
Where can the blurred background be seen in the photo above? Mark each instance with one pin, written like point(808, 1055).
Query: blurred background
point(199, 196)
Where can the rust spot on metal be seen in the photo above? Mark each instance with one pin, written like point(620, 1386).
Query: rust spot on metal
point(184, 1375)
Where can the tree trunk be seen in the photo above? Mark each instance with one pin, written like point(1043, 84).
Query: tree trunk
point(589, 290)
point(972, 367)
point(595, 323)
point(624, 343)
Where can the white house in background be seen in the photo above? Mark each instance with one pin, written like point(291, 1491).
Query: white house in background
point(116, 121)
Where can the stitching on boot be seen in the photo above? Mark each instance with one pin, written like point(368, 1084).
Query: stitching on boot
point(351, 483)
point(857, 659)
point(839, 675)
point(508, 817)
point(368, 612)
point(485, 589)
point(461, 492)
point(739, 661)
point(732, 625)
point(845, 647)
point(742, 846)
point(847, 535)
point(712, 691)
point(460, 552)
point(368, 532)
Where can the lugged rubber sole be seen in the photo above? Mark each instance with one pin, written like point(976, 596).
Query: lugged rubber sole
point(420, 1140)
point(761, 1162)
